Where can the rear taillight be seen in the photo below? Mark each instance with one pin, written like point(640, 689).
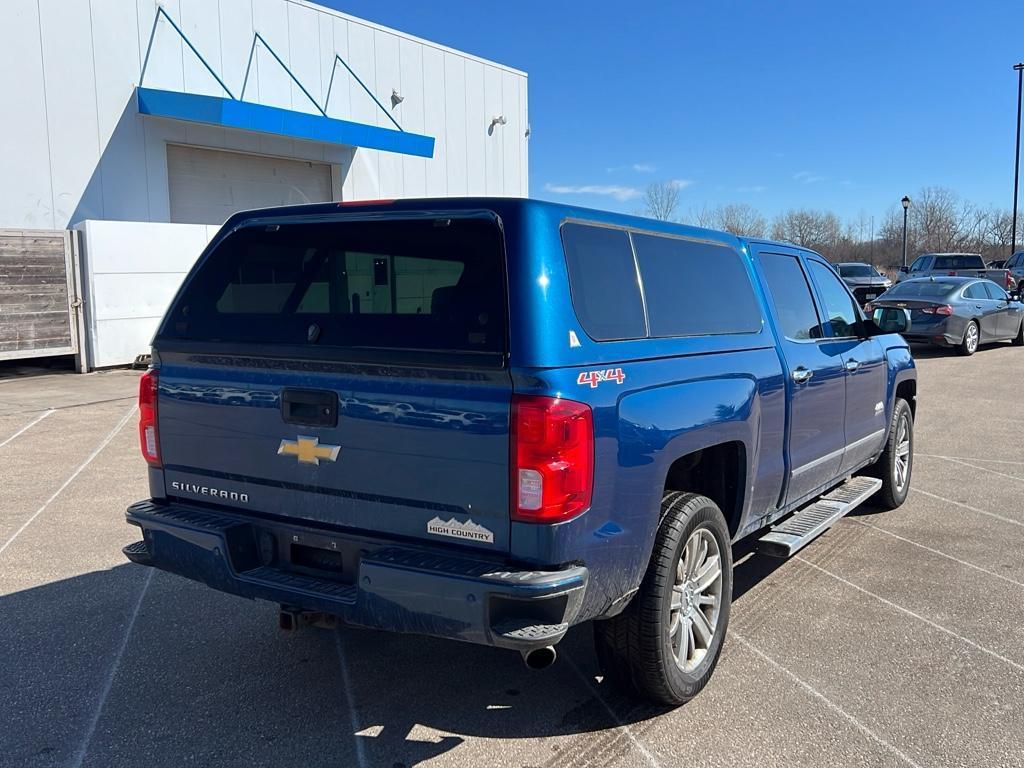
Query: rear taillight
point(149, 438)
point(941, 309)
point(552, 458)
point(1008, 278)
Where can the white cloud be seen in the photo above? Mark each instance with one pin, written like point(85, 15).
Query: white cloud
point(636, 167)
point(680, 183)
point(609, 190)
point(755, 189)
point(808, 177)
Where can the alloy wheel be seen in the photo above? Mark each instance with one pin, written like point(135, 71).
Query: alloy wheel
point(972, 337)
point(696, 599)
point(901, 464)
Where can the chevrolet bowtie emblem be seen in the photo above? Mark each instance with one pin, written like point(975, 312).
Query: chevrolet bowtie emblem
point(308, 450)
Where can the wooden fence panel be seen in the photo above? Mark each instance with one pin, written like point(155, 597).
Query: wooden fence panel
point(37, 294)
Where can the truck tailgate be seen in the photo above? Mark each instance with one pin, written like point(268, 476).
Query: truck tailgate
point(411, 452)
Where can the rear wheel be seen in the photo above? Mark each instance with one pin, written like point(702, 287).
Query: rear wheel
point(896, 463)
point(665, 645)
point(1018, 340)
point(969, 345)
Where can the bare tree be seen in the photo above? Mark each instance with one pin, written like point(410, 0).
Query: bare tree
point(818, 230)
point(741, 219)
point(661, 200)
point(737, 218)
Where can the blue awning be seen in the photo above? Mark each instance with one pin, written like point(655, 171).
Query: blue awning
point(246, 116)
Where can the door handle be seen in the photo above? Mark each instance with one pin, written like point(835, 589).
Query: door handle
point(852, 365)
point(802, 375)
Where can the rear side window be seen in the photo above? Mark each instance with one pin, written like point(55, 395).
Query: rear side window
point(435, 285)
point(695, 288)
point(791, 295)
point(603, 281)
point(975, 291)
point(993, 291)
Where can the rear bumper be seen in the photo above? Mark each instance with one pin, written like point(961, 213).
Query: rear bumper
point(944, 331)
point(393, 588)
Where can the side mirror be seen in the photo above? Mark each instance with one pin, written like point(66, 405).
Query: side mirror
point(891, 319)
point(904, 269)
point(1014, 296)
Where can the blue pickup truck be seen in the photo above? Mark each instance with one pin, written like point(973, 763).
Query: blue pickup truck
point(492, 419)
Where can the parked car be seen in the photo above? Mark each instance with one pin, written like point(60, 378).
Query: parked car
point(632, 437)
point(958, 312)
point(1015, 264)
point(955, 265)
point(864, 281)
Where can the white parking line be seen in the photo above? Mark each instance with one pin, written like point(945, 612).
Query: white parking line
point(823, 698)
point(908, 612)
point(105, 442)
point(937, 552)
point(353, 715)
point(967, 458)
point(28, 426)
point(622, 726)
point(968, 506)
point(983, 469)
point(79, 757)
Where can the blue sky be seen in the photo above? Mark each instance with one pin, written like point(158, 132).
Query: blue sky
point(839, 105)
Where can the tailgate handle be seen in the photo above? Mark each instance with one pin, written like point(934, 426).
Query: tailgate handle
point(309, 407)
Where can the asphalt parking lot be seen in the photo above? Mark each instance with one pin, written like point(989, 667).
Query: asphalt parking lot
point(897, 639)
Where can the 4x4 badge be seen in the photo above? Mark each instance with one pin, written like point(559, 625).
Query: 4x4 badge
point(593, 378)
point(308, 450)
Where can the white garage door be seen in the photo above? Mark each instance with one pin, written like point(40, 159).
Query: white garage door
point(208, 185)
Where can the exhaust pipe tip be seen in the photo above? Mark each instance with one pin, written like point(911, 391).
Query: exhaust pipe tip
point(540, 658)
point(287, 621)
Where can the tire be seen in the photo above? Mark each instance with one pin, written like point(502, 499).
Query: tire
point(895, 482)
point(635, 649)
point(972, 335)
point(1018, 340)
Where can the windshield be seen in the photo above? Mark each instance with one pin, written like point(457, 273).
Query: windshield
point(926, 289)
point(857, 270)
point(415, 284)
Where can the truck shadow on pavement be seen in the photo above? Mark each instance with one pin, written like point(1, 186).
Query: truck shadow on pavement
point(139, 667)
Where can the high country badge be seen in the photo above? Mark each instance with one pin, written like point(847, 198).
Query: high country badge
point(467, 530)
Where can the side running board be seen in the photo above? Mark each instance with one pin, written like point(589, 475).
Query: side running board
point(804, 525)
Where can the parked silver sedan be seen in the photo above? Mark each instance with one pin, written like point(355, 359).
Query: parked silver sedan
point(958, 312)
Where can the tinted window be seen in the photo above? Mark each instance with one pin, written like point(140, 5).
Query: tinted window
point(975, 291)
point(993, 291)
point(602, 277)
point(920, 288)
point(694, 288)
point(958, 262)
point(791, 296)
point(839, 307)
point(857, 270)
point(919, 263)
point(395, 284)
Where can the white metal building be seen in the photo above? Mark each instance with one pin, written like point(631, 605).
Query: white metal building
point(183, 111)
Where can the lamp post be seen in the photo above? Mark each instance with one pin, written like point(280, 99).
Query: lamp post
point(1016, 163)
point(906, 204)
